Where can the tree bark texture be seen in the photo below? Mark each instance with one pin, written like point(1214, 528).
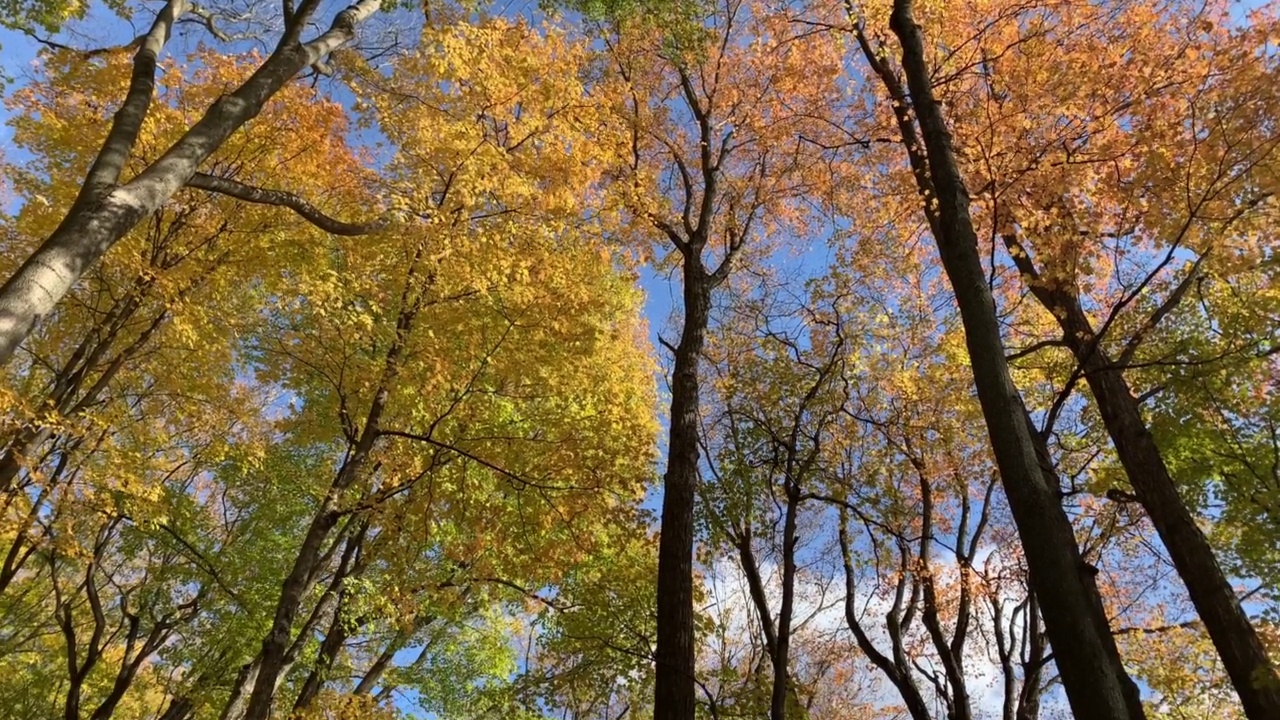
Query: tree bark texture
point(674, 687)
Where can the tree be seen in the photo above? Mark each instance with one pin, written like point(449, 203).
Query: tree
point(1090, 179)
point(360, 420)
point(777, 394)
point(913, 482)
point(107, 206)
point(718, 165)
point(399, 475)
point(1219, 158)
point(1084, 651)
point(132, 398)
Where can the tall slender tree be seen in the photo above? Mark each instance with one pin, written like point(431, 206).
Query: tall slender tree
point(1084, 650)
point(718, 166)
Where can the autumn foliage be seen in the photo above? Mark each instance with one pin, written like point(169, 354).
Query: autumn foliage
point(793, 360)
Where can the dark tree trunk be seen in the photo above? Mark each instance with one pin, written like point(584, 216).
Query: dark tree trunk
point(782, 652)
point(334, 639)
point(1033, 666)
point(1243, 655)
point(180, 708)
point(274, 647)
point(779, 658)
point(130, 665)
point(273, 658)
point(957, 702)
point(1086, 658)
point(896, 669)
point(674, 693)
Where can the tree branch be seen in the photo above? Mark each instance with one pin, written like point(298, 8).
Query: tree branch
point(282, 198)
point(1034, 348)
point(1170, 303)
point(127, 122)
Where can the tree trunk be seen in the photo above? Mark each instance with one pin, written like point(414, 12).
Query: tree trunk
point(1086, 658)
point(130, 666)
point(782, 652)
point(759, 599)
point(1234, 637)
point(896, 670)
point(180, 708)
point(1243, 655)
point(334, 639)
point(1033, 666)
point(245, 680)
point(674, 687)
point(273, 657)
point(957, 702)
point(291, 596)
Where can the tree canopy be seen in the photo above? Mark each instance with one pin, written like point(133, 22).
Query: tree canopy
point(640, 359)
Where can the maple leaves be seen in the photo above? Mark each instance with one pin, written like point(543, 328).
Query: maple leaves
point(358, 420)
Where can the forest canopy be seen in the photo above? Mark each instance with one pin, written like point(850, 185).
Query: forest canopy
point(612, 359)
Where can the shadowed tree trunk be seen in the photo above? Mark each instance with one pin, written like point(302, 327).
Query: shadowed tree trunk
point(1243, 655)
point(1085, 653)
point(674, 680)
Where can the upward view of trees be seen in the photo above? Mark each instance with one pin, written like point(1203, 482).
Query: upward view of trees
point(623, 359)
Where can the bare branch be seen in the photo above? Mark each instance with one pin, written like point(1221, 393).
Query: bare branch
point(210, 19)
point(92, 52)
point(1034, 348)
point(1170, 303)
point(281, 198)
